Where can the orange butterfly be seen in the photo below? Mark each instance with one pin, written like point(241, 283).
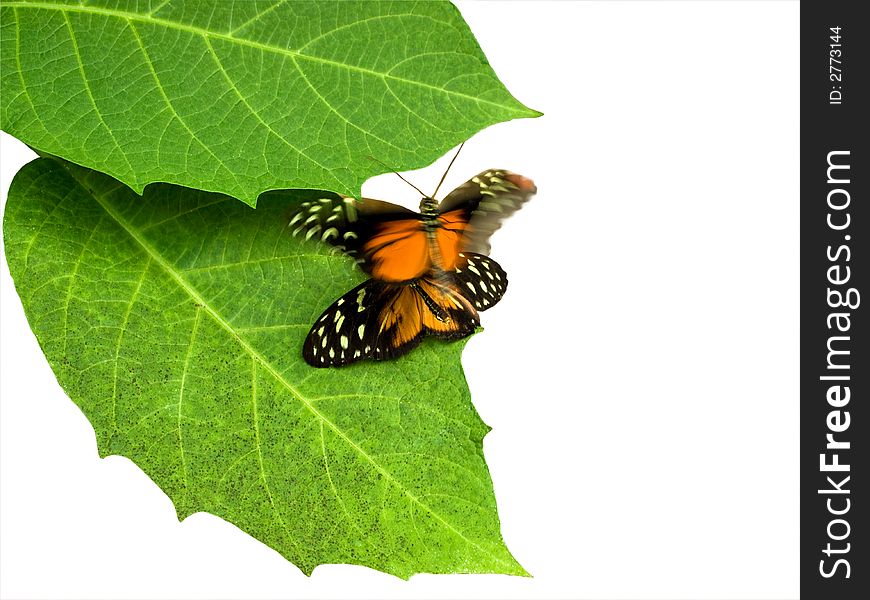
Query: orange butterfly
point(430, 273)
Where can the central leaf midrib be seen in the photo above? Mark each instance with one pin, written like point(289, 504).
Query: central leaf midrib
point(205, 33)
point(200, 300)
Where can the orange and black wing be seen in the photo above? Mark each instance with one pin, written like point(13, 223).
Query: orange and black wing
point(476, 209)
point(387, 240)
point(382, 320)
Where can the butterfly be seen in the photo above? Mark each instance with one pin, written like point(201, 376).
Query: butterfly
point(430, 273)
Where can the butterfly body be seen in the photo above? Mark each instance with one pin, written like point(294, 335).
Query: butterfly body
point(429, 271)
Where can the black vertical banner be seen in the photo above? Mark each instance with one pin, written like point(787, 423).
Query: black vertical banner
point(835, 300)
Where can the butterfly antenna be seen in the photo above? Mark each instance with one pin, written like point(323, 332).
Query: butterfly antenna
point(397, 175)
point(443, 177)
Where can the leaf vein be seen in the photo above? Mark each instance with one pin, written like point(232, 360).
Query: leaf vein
point(256, 115)
point(24, 88)
point(366, 21)
point(121, 330)
point(256, 17)
point(259, 448)
point(350, 518)
point(72, 278)
point(333, 110)
point(184, 371)
point(193, 137)
point(90, 94)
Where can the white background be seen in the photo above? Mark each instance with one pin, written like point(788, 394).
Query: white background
point(640, 375)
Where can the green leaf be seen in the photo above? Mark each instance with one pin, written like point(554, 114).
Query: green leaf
point(240, 97)
point(175, 322)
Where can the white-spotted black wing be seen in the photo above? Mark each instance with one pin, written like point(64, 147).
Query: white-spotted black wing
point(344, 222)
point(347, 330)
point(382, 320)
point(488, 199)
point(481, 280)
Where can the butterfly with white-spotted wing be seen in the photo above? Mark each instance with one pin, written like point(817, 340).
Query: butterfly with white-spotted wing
point(429, 270)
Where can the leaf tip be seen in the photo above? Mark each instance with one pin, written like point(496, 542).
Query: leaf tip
point(516, 569)
point(182, 511)
point(526, 112)
point(137, 186)
point(521, 571)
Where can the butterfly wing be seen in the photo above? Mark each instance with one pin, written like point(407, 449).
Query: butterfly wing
point(347, 331)
point(445, 310)
point(387, 240)
point(481, 280)
point(383, 320)
point(483, 202)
